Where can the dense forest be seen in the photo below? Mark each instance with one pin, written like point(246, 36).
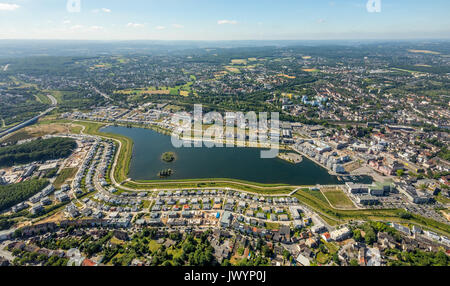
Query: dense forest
point(38, 150)
point(11, 195)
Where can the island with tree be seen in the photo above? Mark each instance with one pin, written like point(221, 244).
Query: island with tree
point(168, 157)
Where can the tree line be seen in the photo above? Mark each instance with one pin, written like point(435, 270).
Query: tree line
point(38, 150)
point(11, 195)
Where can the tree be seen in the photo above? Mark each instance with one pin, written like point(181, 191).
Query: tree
point(37, 150)
point(400, 172)
point(286, 254)
point(260, 244)
point(11, 195)
point(335, 258)
point(405, 215)
point(357, 235)
point(323, 248)
point(267, 252)
point(166, 263)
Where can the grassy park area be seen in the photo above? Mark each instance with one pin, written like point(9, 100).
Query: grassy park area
point(338, 198)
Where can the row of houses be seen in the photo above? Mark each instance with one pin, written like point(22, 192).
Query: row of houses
point(418, 231)
point(329, 160)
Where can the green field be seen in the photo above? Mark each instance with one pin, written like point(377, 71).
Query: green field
point(338, 199)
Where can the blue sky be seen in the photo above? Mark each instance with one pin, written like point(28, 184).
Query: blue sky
point(223, 19)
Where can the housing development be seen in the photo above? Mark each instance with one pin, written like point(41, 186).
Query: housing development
point(89, 176)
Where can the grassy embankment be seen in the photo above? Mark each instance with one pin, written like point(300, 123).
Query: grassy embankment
point(213, 183)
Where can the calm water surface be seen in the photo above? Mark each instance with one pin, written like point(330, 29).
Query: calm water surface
point(204, 163)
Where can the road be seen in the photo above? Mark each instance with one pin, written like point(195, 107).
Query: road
point(102, 93)
point(32, 120)
point(52, 99)
point(26, 123)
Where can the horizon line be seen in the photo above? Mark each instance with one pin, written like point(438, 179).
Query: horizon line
point(242, 40)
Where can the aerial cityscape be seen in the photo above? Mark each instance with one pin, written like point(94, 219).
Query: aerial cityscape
point(226, 150)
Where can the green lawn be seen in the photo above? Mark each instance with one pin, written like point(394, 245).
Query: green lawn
point(332, 247)
point(175, 252)
point(153, 245)
point(272, 225)
point(338, 199)
point(316, 194)
point(322, 258)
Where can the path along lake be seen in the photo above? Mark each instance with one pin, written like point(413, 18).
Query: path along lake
point(206, 163)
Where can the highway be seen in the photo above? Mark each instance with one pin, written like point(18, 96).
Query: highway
point(32, 120)
point(102, 93)
point(52, 99)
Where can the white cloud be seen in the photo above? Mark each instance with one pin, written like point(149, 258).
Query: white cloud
point(76, 27)
point(66, 22)
point(321, 21)
point(177, 26)
point(223, 22)
point(104, 10)
point(8, 7)
point(135, 25)
point(96, 28)
point(160, 27)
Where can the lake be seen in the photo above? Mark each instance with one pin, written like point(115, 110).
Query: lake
point(206, 163)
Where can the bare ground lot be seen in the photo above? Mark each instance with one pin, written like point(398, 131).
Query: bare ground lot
point(352, 166)
point(37, 131)
point(58, 217)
